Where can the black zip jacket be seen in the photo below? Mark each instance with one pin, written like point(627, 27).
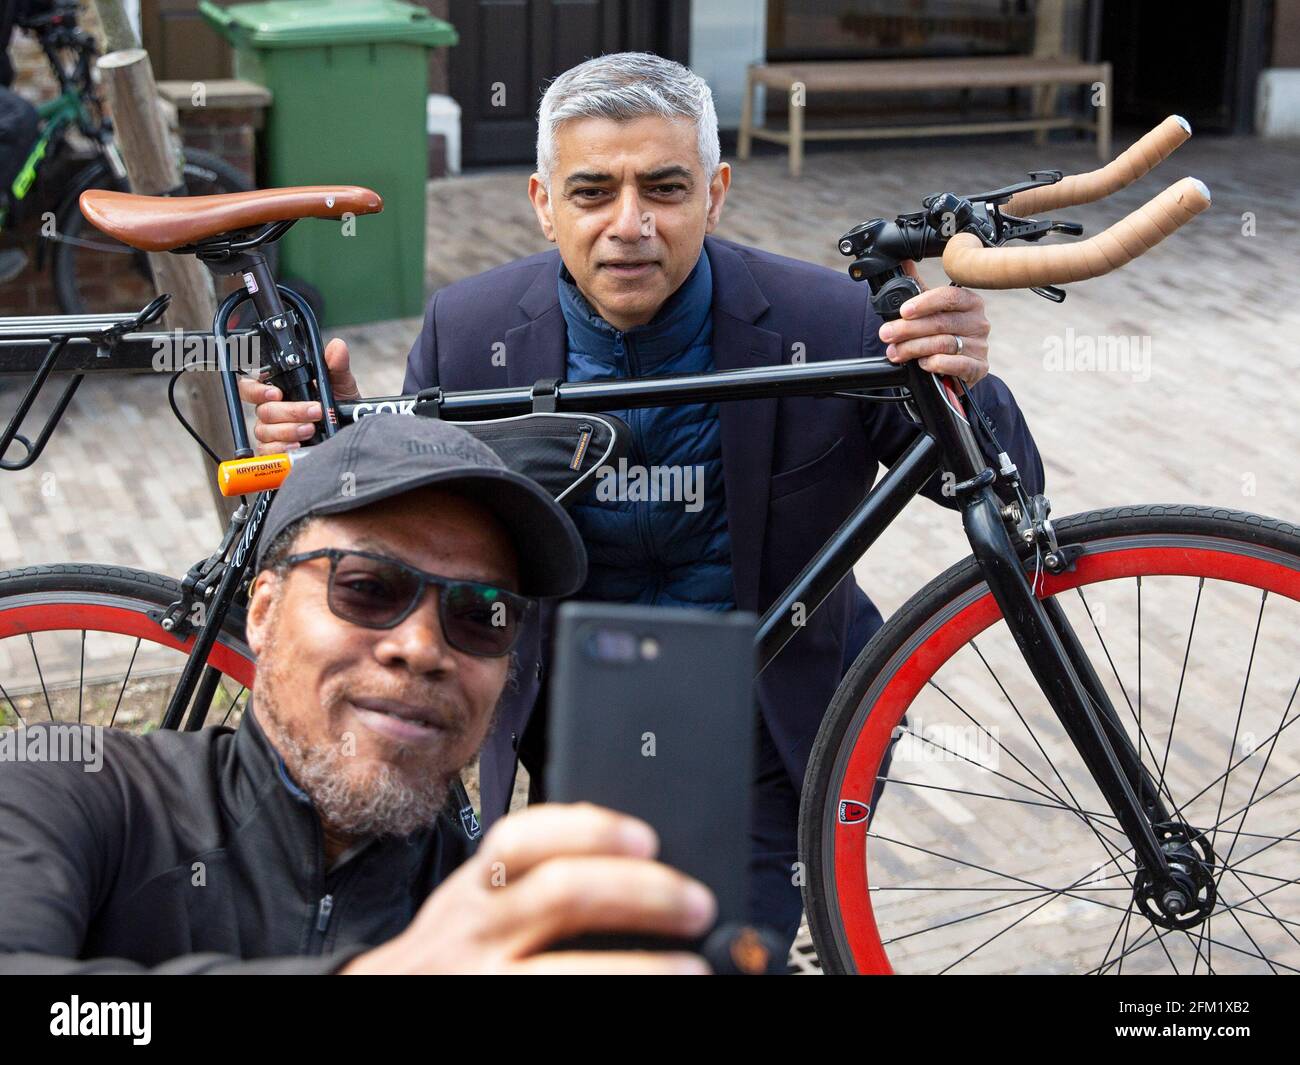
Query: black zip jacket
point(193, 852)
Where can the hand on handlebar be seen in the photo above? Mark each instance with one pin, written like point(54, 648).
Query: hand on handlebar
point(930, 326)
point(284, 426)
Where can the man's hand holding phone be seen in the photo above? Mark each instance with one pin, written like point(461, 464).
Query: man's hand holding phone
point(544, 875)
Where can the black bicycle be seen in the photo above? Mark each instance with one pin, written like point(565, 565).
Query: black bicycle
point(1081, 734)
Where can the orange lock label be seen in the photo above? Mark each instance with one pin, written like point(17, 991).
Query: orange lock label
point(238, 477)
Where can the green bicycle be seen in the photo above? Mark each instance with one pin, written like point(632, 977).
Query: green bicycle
point(87, 266)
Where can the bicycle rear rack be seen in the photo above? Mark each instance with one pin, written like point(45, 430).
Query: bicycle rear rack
point(97, 336)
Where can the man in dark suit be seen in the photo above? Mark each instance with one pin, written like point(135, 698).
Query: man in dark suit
point(629, 185)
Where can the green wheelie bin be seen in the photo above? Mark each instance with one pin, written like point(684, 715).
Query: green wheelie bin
point(349, 84)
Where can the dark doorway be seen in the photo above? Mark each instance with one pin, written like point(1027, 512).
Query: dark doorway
point(1199, 59)
point(510, 49)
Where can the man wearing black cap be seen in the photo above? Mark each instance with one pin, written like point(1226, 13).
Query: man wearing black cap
point(314, 838)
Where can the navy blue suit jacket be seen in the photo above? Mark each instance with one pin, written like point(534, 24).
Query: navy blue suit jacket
point(794, 468)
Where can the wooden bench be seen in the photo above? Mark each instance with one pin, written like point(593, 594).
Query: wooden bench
point(800, 80)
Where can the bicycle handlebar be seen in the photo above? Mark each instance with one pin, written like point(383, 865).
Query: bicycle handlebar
point(968, 262)
point(1137, 160)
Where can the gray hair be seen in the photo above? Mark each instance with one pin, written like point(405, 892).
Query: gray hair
point(625, 86)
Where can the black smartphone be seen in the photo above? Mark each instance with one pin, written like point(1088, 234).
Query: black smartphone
point(652, 712)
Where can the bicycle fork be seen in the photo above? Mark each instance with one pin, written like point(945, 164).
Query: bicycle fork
point(1174, 886)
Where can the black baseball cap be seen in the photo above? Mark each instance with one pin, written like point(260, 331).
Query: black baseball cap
point(384, 455)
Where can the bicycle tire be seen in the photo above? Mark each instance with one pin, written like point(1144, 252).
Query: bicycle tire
point(894, 673)
point(117, 605)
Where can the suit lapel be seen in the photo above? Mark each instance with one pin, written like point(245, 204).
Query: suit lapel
point(537, 349)
point(748, 426)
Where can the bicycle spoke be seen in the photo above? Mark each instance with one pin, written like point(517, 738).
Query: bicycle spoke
point(1016, 710)
point(125, 680)
point(935, 743)
point(1231, 911)
point(21, 720)
point(1138, 775)
point(1282, 880)
point(233, 702)
point(1001, 746)
point(936, 887)
point(1182, 676)
point(1178, 809)
point(81, 677)
point(1241, 707)
point(1259, 778)
point(1139, 944)
point(985, 869)
point(968, 917)
point(1004, 931)
point(1128, 917)
point(999, 798)
point(970, 761)
point(1142, 739)
point(41, 676)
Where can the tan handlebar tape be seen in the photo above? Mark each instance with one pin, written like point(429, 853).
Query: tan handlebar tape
point(1124, 169)
point(970, 263)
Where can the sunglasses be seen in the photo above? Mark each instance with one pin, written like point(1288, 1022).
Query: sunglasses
point(378, 592)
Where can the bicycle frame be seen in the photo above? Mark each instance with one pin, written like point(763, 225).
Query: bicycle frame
point(945, 442)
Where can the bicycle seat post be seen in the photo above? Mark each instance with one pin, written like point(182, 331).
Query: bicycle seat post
point(290, 366)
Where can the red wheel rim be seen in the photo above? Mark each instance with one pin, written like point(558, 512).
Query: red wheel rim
point(124, 621)
point(850, 839)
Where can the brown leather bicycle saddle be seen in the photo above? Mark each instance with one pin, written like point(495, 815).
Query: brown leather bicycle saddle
point(161, 223)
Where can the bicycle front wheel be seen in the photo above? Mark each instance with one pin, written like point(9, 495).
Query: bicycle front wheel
point(988, 847)
point(83, 644)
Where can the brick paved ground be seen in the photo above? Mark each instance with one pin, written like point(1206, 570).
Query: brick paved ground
point(1205, 415)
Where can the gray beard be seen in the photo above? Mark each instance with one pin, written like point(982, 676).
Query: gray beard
point(379, 802)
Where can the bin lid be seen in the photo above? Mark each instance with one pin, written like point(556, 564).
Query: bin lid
point(309, 23)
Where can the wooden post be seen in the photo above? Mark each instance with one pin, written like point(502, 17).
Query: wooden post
point(744, 139)
point(118, 34)
point(796, 131)
point(1049, 43)
point(153, 168)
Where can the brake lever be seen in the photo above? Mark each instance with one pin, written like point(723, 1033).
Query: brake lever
point(1038, 178)
point(1009, 227)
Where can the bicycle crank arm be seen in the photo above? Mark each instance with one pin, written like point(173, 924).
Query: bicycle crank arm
point(1052, 668)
